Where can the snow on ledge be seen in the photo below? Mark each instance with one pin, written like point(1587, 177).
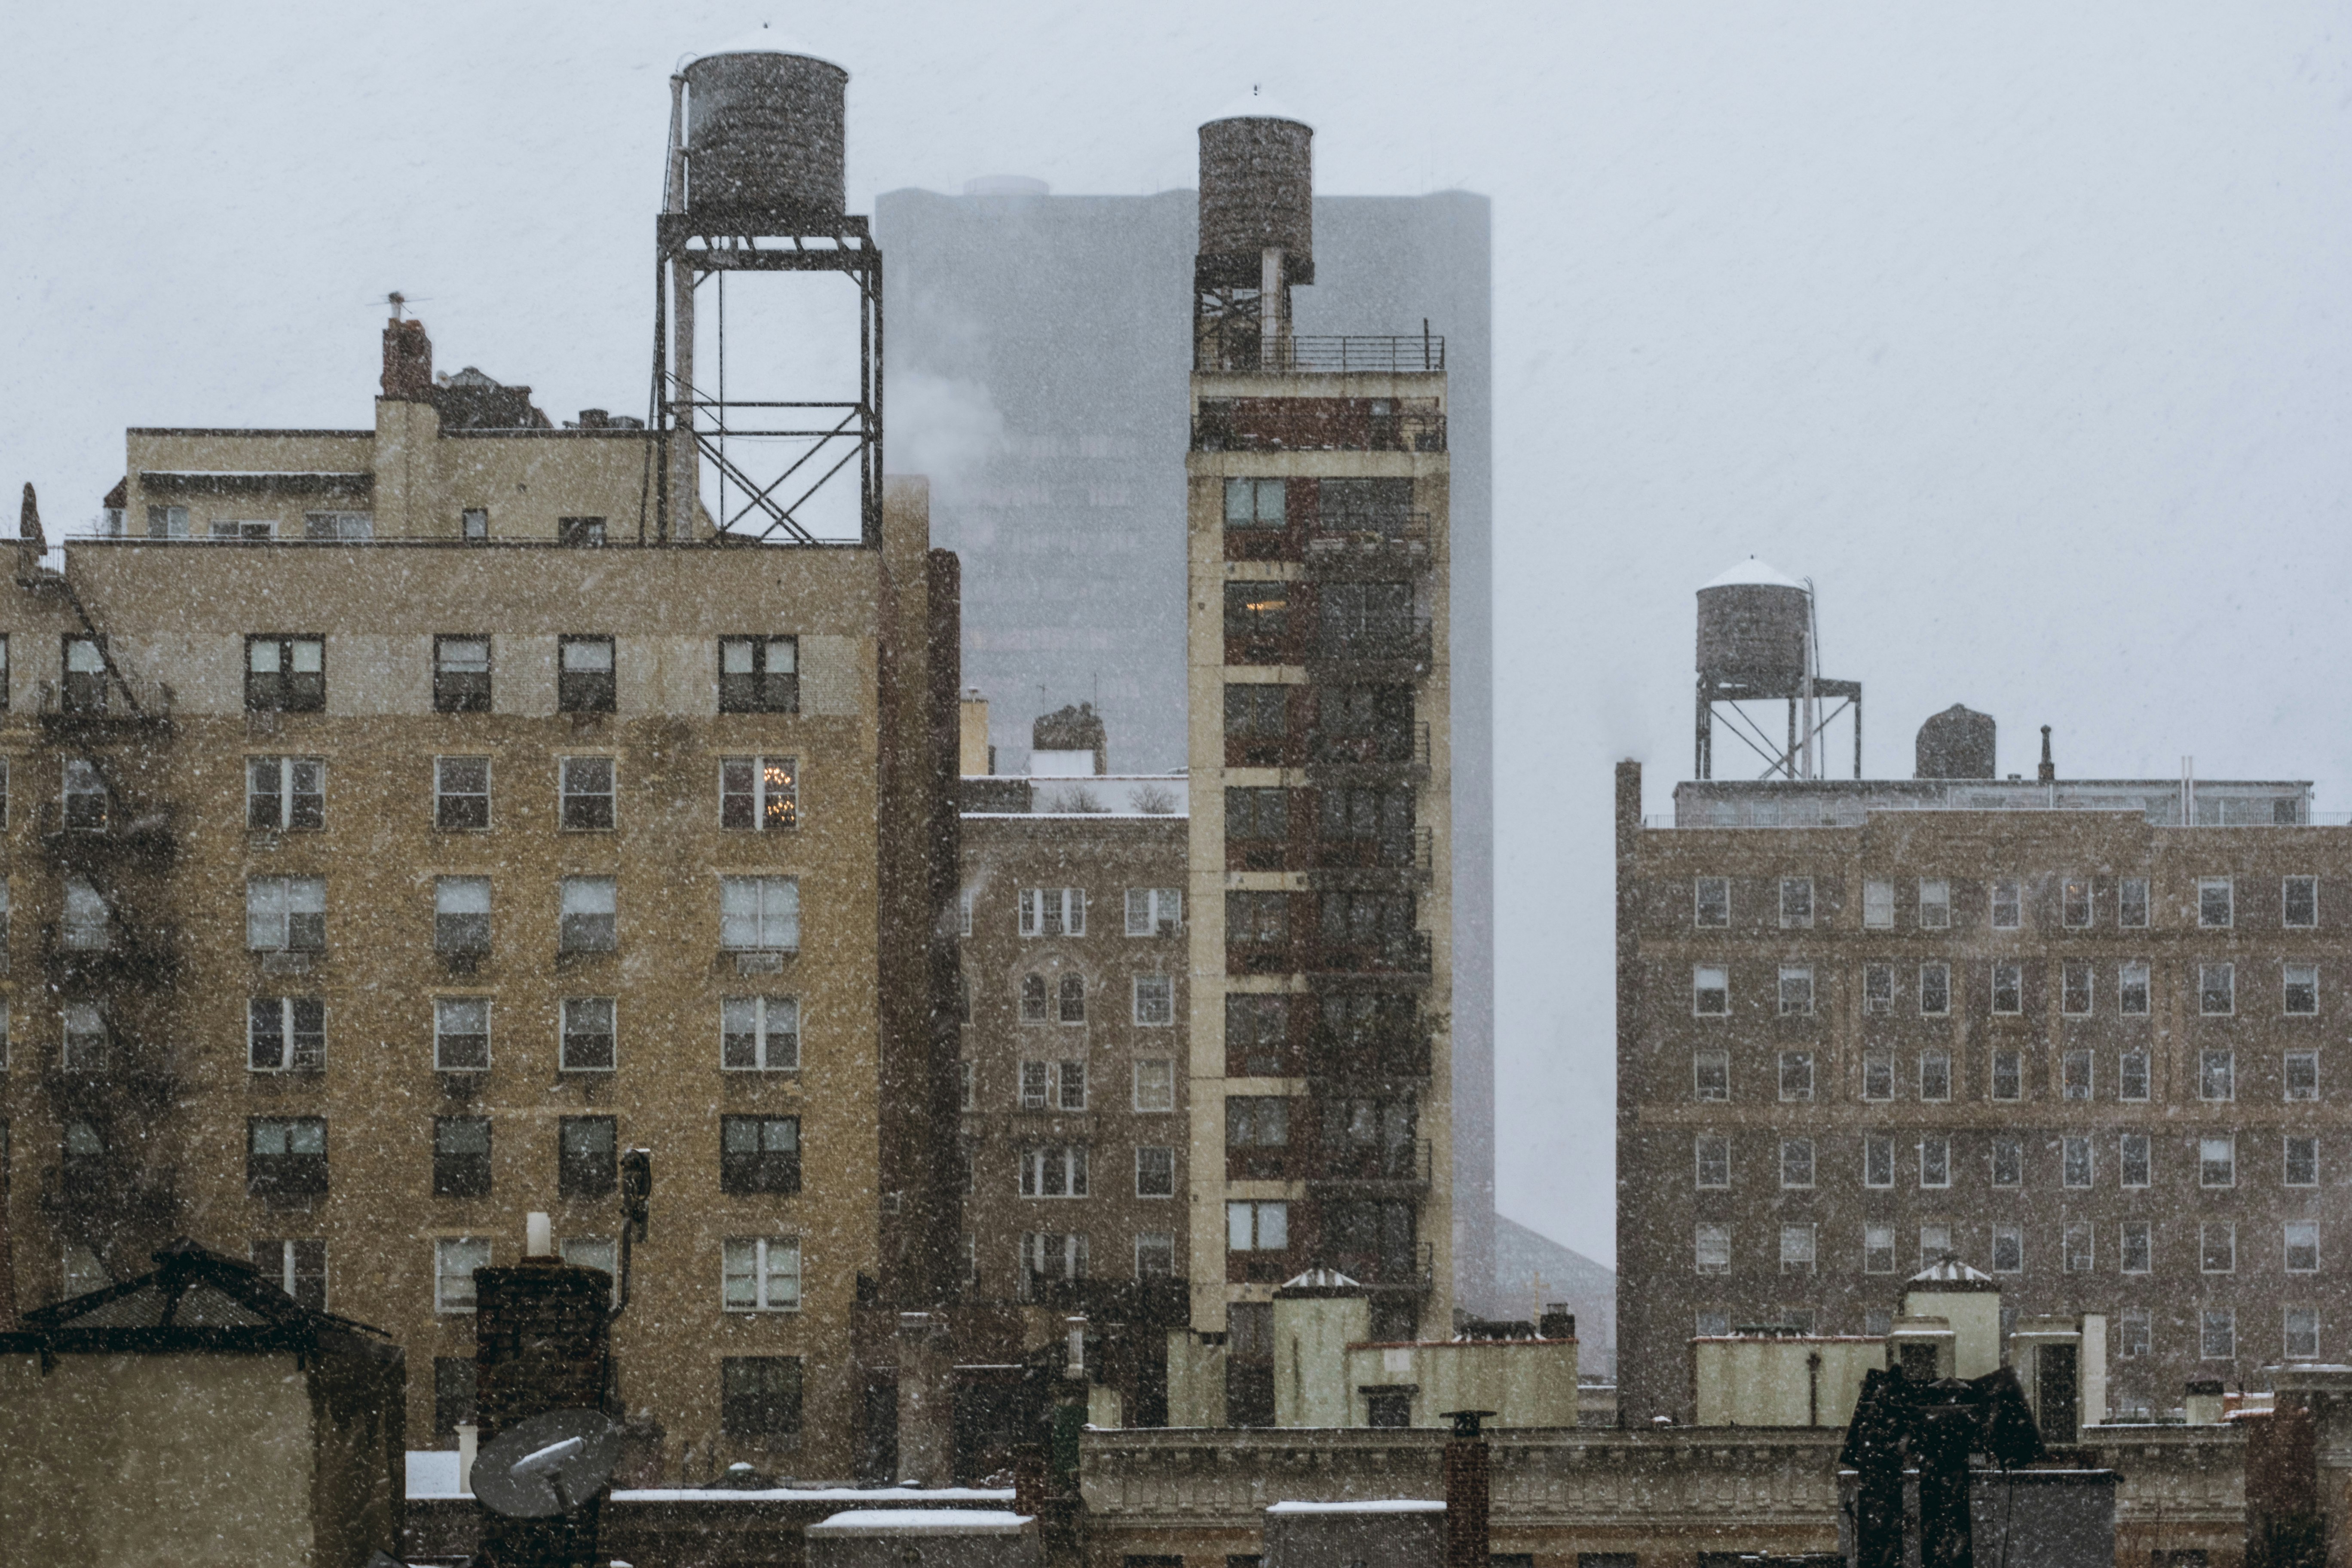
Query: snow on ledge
point(922, 1521)
point(1369, 1505)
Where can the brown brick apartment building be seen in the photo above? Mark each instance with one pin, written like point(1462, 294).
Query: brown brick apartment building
point(396, 840)
point(2079, 1033)
point(1319, 879)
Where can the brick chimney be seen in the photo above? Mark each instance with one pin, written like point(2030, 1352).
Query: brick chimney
point(1468, 1485)
point(407, 361)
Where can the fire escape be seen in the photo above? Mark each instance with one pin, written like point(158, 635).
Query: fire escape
point(110, 956)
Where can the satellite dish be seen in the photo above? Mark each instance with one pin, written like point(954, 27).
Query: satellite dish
point(548, 1465)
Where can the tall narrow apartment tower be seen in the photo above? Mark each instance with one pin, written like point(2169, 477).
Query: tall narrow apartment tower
point(1320, 829)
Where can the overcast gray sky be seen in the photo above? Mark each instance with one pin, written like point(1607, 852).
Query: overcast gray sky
point(2021, 328)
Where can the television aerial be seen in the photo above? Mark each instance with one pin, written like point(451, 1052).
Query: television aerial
point(551, 1464)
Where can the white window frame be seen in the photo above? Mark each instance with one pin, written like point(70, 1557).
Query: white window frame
point(1796, 991)
point(2299, 1340)
point(1798, 1163)
point(772, 1267)
point(2135, 1245)
point(1934, 1163)
point(2295, 976)
point(2086, 1081)
point(761, 1013)
point(2288, 1162)
point(1878, 989)
point(2217, 1064)
point(1711, 1158)
point(2013, 972)
point(763, 792)
point(2014, 1236)
point(2299, 1246)
point(1149, 1098)
point(486, 795)
point(1156, 1241)
point(439, 1064)
point(774, 914)
point(2009, 1064)
point(1878, 1076)
point(1699, 886)
point(1052, 912)
point(2221, 1151)
point(1796, 892)
point(2228, 974)
point(2008, 1162)
point(2134, 984)
point(453, 1272)
point(1942, 971)
point(1877, 1161)
point(2077, 1001)
point(1167, 1153)
point(2067, 904)
point(1943, 1059)
point(1877, 1248)
point(285, 893)
point(1701, 990)
point(1701, 1061)
point(1710, 1247)
point(2006, 896)
point(2286, 902)
point(1155, 911)
point(1154, 1001)
point(2216, 1238)
point(2077, 1162)
point(1812, 1070)
point(1878, 904)
point(1257, 1225)
point(2135, 1157)
point(2133, 897)
point(564, 1031)
point(1935, 903)
point(2217, 1334)
point(2299, 1076)
point(2132, 1075)
point(1799, 1247)
point(2207, 888)
point(2078, 1247)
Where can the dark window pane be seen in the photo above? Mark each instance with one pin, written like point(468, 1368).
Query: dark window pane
point(588, 1164)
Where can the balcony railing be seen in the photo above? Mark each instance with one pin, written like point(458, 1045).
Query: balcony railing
point(102, 1189)
point(103, 700)
point(1408, 953)
point(1321, 355)
point(1314, 424)
point(1410, 851)
point(92, 834)
point(144, 954)
point(1404, 1268)
point(1363, 1057)
point(1388, 1167)
point(1396, 747)
point(1404, 644)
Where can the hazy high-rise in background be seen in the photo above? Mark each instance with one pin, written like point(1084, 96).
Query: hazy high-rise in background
point(1037, 361)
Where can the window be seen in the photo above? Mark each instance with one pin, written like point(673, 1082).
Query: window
point(2302, 1074)
point(2131, 1076)
point(1051, 1258)
point(2136, 1246)
point(1257, 1122)
point(1155, 1255)
point(282, 914)
point(286, 674)
point(454, 1262)
point(2216, 989)
point(461, 1156)
point(1712, 1151)
point(1032, 998)
point(1710, 992)
point(2132, 1160)
point(1254, 503)
point(588, 1034)
point(461, 674)
point(763, 1274)
point(2132, 1337)
point(1155, 1084)
point(1052, 912)
point(580, 532)
point(1796, 1161)
point(85, 677)
point(761, 792)
point(461, 1034)
point(760, 1034)
point(2214, 902)
point(2074, 990)
point(1710, 1074)
point(963, 915)
point(453, 1393)
point(1258, 713)
point(1878, 905)
point(760, 913)
point(2216, 1161)
point(89, 924)
point(1796, 1075)
point(2074, 902)
point(589, 918)
point(1935, 1243)
point(2131, 903)
point(2075, 1246)
point(2008, 1162)
point(1250, 813)
point(598, 1252)
point(1877, 1161)
point(1154, 911)
point(1935, 990)
point(587, 1157)
point(1935, 1161)
point(1711, 1246)
point(2008, 1249)
point(1878, 988)
point(2217, 1074)
point(2008, 906)
point(967, 1098)
point(1878, 1075)
point(1796, 991)
point(474, 524)
point(461, 914)
point(2301, 1161)
point(461, 794)
point(2217, 1247)
point(1878, 1249)
point(84, 1047)
point(1155, 1000)
point(1796, 901)
point(2008, 987)
point(587, 791)
point(1934, 1074)
point(2302, 985)
point(1251, 919)
point(1796, 1250)
point(2302, 1242)
point(1070, 999)
point(759, 675)
point(323, 525)
point(2218, 1335)
point(1713, 901)
point(2075, 1164)
point(1155, 1172)
point(2302, 1333)
point(85, 793)
point(2299, 902)
point(1258, 1227)
point(2131, 989)
point(286, 1033)
point(2075, 1075)
point(759, 1154)
point(286, 1156)
point(760, 1398)
point(583, 675)
point(167, 522)
point(1935, 903)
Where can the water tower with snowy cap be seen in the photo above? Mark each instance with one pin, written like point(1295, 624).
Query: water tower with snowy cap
point(1258, 235)
point(784, 445)
point(1759, 642)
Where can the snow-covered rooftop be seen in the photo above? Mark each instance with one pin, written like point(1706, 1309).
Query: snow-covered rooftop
point(1949, 1270)
point(1751, 573)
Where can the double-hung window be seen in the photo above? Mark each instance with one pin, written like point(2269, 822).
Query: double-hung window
point(461, 916)
point(282, 794)
point(85, 793)
point(1710, 992)
point(2074, 902)
point(285, 914)
point(587, 791)
point(760, 1396)
point(1711, 1153)
point(2131, 903)
point(2008, 1249)
point(759, 675)
point(461, 794)
point(1796, 901)
point(2216, 989)
point(461, 674)
point(1052, 1086)
point(1154, 911)
point(461, 1034)
point(1155, 1000)
point(759, 1154)
point(2216, 1161)
point(587, 1157)
point(88, 922)
point(1796, 990)
point(84, 1046)
point(286, 1156)
point(760, 1034)
point(588, 918)
point(1053, 1171)
point(2008, 986)
point(454, 1262)
point(760, 915)
point(2131, 1075)
point(1877, 1161)
point(2133, 1159)
point(2008, 905)
point(2075, 991)
point(2131, 989)
point(1935, 990)
point(1935, 903)
point(286, 1033)
point(2074, 1162)
point(1712, 901)
point(85, 677)
point(2216, 902)
point(285, 674)
point(758, 793)
point(1254, 503)
point(1878, 988)
point(2299, 902)
point(2301, 983)
point(297, 1267)
point(589, 1040)
point(461, 1156)
point(1052, 912)
point(2217, 1074)
point(2301, 1245)
point(2008, 1162)
point(1154, 1084)
point(763, 1275)
point(2135, 1253)
point(1936, 1161)
point(2301, 1161)
point(583, 675)
point(1878, 905)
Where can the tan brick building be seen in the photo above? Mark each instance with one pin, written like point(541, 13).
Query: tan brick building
point(2080, 1032)
point(396, 841)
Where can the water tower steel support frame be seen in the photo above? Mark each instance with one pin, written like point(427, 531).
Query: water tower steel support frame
point(693, 427)
point(1729, 690)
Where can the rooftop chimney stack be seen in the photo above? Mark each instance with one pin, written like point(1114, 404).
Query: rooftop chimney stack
point(1469, 1481)
point(2048, 773)
point(407, 361)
